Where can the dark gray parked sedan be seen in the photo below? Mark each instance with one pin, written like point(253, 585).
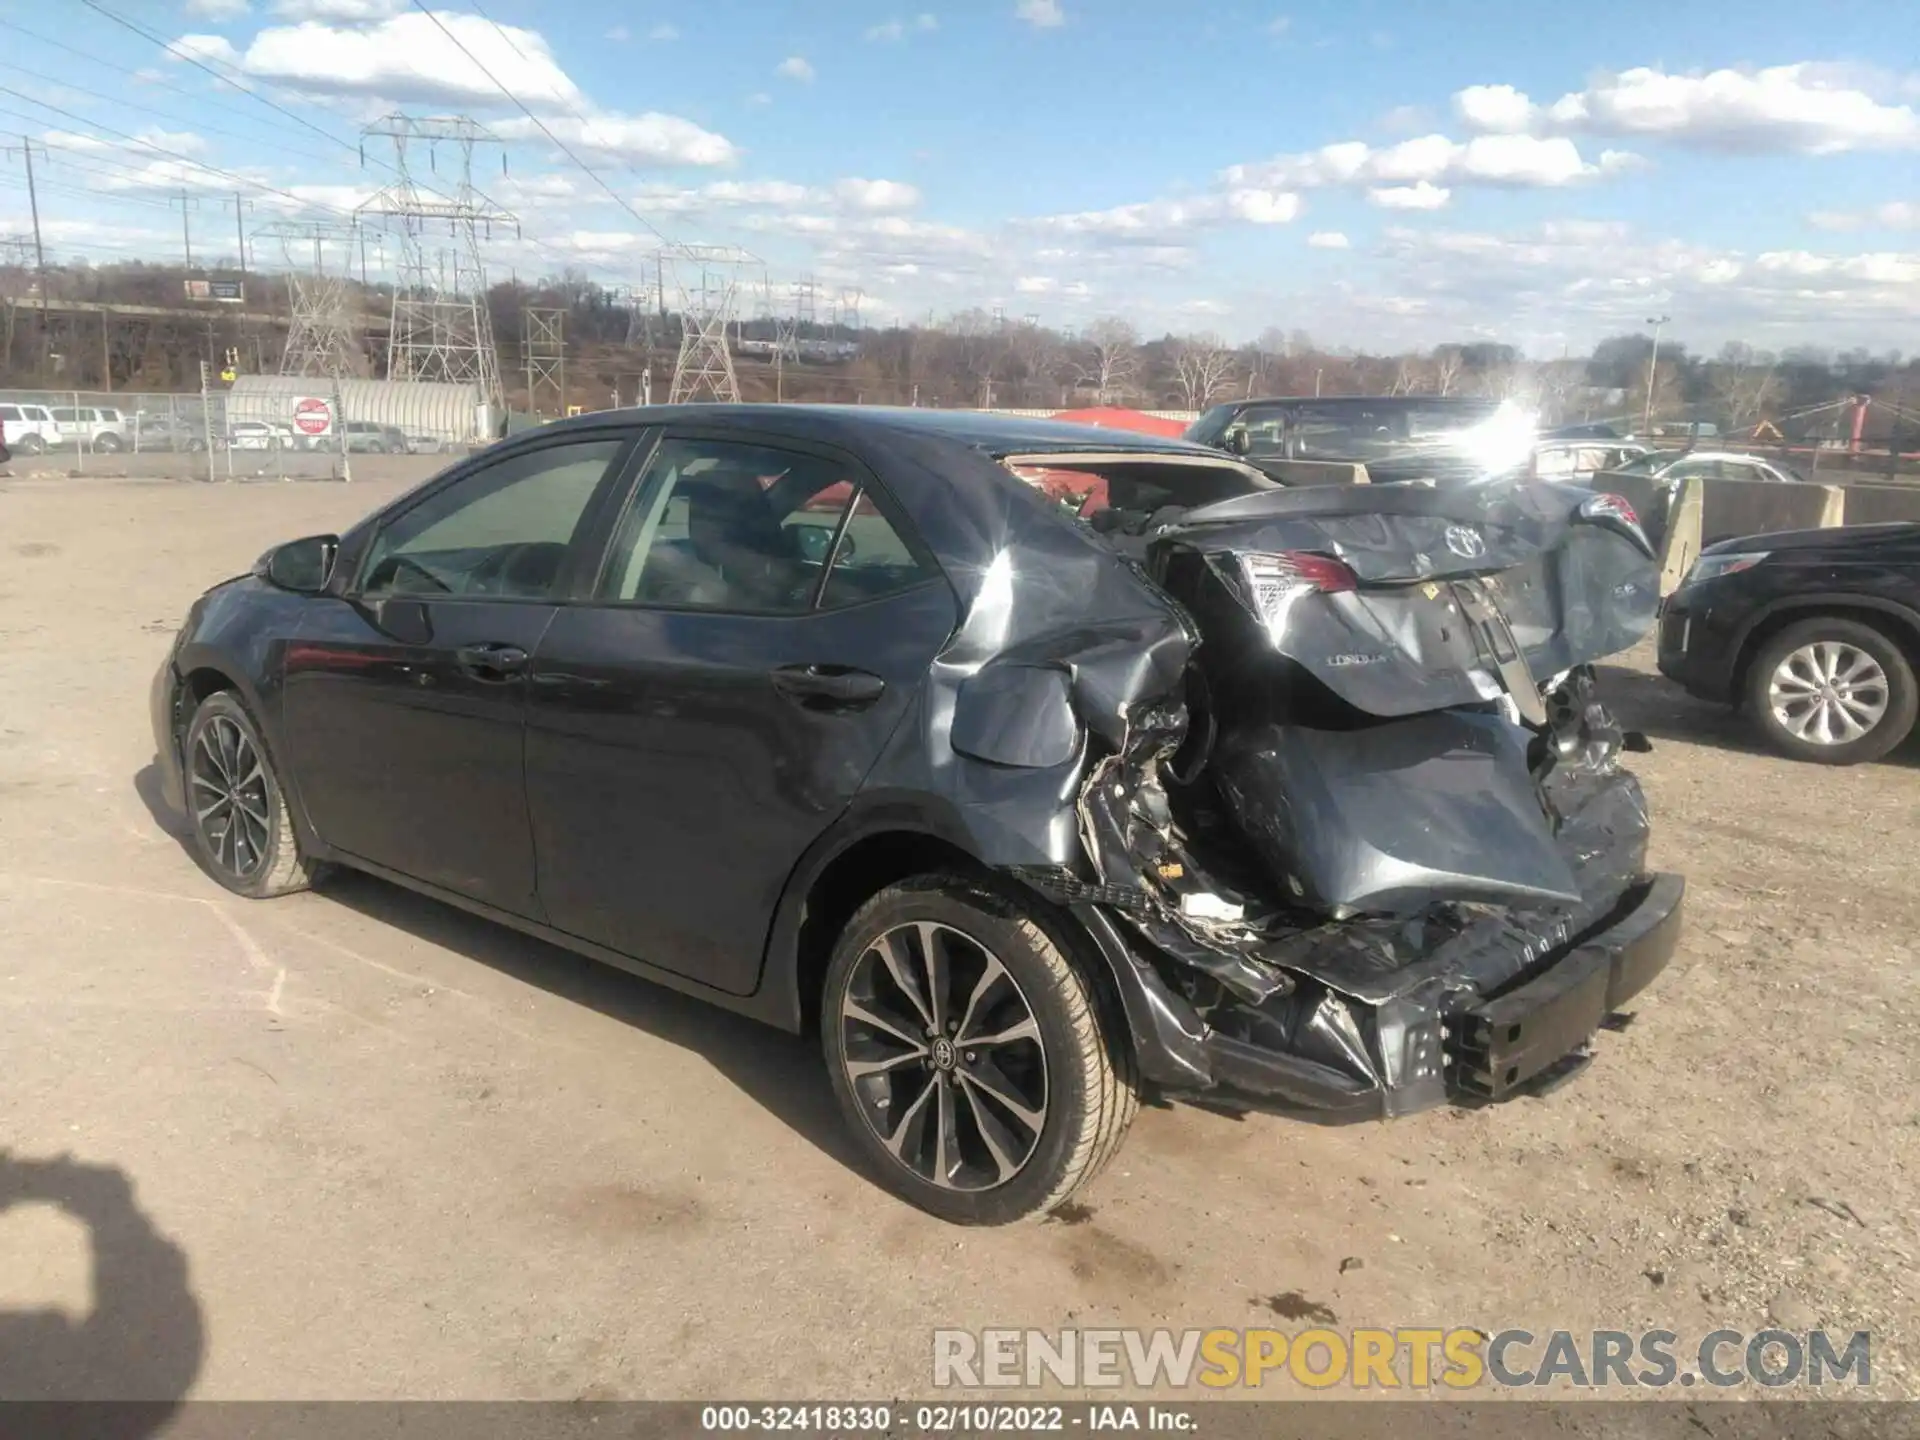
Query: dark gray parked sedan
point(833, 717)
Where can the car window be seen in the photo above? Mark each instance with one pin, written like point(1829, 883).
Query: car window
point(724, 525)
point(66, 416)
point(501, 531)
point(10, 412)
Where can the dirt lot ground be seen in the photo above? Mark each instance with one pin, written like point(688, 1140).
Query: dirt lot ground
point(404, 1153)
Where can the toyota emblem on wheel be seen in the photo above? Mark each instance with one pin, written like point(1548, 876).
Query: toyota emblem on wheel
point(1467, 543)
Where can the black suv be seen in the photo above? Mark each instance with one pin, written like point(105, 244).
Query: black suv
point(1815, 633)
point(1444, 438)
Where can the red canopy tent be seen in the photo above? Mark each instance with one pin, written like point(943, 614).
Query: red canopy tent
point(1114, 417)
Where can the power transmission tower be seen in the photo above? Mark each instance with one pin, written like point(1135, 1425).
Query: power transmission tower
point(850, 297)
point(707, 281)
point(323, 336)
point(442, 329)
point(806, 311)
point(543, 349)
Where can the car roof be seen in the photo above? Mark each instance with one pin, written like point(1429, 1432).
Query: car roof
point(1398, 402)
point(991, 433)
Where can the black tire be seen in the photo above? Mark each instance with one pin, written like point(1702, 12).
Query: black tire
point(1090, 1093)
point(108, 444)
point(1901, 700)
point(32, 445)
point(274, 863)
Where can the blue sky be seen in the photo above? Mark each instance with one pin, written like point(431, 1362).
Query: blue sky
point(1379, 174)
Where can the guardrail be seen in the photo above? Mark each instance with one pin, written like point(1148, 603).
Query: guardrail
point(1683, 521)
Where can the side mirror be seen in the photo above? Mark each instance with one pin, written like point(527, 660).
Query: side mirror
point(301, 566)
point(1239, 441)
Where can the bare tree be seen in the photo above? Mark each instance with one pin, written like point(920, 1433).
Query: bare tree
point(1745, 387)
point(1114, 360)
point(1201, 367)
point(1447, 364)
point(1409, 376)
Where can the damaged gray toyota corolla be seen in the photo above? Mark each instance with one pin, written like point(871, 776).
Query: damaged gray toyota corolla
point(1040, 764)
point(1348, 820)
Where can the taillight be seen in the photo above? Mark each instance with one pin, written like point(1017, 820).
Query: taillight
point(1275, 579)
point(1609, 507)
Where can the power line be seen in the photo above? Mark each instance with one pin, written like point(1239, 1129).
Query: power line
point(146, 78)
point(168, 116)
point(539, 124)
point(200, 64)
point(200, 165)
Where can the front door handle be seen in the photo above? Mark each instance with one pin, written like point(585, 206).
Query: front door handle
point(828, 687)
point(495, 663)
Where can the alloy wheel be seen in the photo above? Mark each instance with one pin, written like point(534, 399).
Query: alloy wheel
point(944, 1057)
point(228, 793)
point(1828, 692)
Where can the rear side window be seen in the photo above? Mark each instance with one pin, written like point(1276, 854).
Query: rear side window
point(728, 526)
point(10, 412)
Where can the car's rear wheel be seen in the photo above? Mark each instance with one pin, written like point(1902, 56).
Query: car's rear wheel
point(1831, 690)
point(970, 1055)
point(242, 833)
point(107, 444)
point(32, 445)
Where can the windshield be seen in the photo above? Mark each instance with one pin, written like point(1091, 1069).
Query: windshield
point(1347, 429)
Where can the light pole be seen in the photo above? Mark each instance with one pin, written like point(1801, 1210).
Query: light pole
point(1653, 369)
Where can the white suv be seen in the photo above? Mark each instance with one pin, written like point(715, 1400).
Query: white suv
point(30, 429)
point(92, 427)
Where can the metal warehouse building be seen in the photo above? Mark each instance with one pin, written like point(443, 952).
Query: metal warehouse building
point(454, 414)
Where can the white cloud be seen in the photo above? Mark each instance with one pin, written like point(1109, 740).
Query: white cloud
point(1263, 207)
point(795, 67)
point(144, 142)
point(1152, 222)
point(1035, 285)
point(1422, 196)
point(1279, 25)
point(1500, 109)
point(649, 139)
point(217, 9)
point(406, 56)
point(1508, 159)
point(759, 97)
point(619, 34)
point(758, 192)
point(1894, 215)
point(203, 47)
point(1805, 109)
point(877, 195)
point(664, 32)
point(353, 12)
point(1041, 14)
point(1328, 240)
point(899, 29)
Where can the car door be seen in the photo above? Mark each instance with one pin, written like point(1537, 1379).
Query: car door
point(405, 695)
point(762, 622)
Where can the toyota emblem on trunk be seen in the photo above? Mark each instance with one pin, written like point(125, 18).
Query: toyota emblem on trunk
point(1468, 544)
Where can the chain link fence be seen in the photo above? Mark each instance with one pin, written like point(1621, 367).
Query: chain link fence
point(208, 436)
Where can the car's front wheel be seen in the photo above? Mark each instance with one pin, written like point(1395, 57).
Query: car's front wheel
point(242, 833)
point(970, 1054)
point(1831, 690)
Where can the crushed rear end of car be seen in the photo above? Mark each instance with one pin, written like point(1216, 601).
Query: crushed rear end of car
point(1354, 831)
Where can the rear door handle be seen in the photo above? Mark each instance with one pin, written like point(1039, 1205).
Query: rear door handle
point(493, 662)
point(828, 687)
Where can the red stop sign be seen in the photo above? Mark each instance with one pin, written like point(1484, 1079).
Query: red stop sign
point(312, 416)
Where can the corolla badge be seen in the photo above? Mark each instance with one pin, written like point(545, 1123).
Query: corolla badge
point(1466, 542)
